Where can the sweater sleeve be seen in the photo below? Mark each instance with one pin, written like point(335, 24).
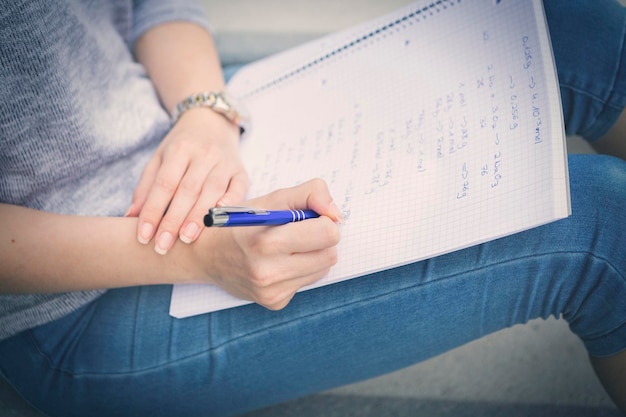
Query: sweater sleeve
point(150, 13)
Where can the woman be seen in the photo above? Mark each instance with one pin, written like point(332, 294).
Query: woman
point(86, 91)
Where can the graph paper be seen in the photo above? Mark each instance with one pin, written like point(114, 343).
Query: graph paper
point(436, 127)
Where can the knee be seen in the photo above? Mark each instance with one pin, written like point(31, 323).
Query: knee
point(596, 232)
point(588, 40)
point(598, 194)
point(598, 180)
point(616, 176)
point(585, 33)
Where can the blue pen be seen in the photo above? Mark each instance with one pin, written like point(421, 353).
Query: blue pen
point(244, 216)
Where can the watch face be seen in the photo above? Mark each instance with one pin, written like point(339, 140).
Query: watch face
point(220, 104)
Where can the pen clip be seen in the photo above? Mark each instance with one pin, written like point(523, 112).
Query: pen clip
point(220, 211)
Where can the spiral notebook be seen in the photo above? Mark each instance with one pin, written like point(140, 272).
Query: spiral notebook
point(436, 127)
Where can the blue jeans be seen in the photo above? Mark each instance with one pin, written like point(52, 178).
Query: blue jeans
point(123, 355)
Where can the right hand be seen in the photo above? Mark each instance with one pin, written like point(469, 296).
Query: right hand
point(269, 264)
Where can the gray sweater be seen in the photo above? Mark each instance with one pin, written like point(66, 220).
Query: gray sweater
point(78, 117)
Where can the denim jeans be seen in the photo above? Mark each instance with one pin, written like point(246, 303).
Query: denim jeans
point(123, 355)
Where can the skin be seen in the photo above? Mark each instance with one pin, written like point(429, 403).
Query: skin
point(197, 165)
point(264, 264)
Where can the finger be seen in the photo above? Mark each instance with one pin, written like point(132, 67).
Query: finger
point(189, 210)
point(195, 193)
point(275, 279)
point(140, 194)
point(277, 296)
point(318, 198)
point(273, 267)
point(193, 223)
point(313, 194)
point(303, 237)
point(192, 226)
point(237, 189)
point(218, 183)
point(161, 192)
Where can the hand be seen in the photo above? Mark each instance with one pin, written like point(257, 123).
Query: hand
point(269, 264)
point(197, 166)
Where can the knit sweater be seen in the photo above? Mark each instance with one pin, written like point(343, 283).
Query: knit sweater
point(79, 119)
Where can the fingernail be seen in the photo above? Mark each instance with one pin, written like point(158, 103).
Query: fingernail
point(145, 233)
point(189, 232)
point(163, 243)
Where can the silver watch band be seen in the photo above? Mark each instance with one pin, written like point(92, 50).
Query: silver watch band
point(215, 101)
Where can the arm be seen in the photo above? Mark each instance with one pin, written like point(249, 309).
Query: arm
point(44, 252)
point(197, 165)
point(181, 60)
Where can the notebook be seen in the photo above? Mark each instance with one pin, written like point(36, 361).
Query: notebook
point(436, 127)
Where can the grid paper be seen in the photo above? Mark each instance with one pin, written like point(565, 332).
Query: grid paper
point(436, 127)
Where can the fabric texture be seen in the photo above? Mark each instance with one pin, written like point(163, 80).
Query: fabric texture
point(79, 119)
point(593, 91)
point(123, 355)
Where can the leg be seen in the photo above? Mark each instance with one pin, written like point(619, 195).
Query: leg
point(123, 354)
point(589, 43)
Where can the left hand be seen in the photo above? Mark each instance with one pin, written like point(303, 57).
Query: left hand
point(197, 166)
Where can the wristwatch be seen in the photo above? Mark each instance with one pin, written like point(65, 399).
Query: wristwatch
point(216, 101)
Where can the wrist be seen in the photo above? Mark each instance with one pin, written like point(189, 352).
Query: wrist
point(216, 102)
point(196, 263)
point(183, 263)
point(206, 119)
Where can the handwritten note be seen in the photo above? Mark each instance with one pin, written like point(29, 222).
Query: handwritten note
point(436, 127)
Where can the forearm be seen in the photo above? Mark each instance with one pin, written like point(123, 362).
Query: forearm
point(181, 60)
point(45, 252)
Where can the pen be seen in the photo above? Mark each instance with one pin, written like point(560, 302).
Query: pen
point(244, 216)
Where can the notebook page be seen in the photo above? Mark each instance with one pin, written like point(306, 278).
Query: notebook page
point(436, 127)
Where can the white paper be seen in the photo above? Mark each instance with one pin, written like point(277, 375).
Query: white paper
point(436, 127)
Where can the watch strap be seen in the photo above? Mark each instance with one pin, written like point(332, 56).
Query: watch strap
point(216, 101)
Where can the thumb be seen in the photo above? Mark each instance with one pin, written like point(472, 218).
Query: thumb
point(313, 195)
